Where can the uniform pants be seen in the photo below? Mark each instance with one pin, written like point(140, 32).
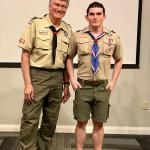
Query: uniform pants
point(47, 98)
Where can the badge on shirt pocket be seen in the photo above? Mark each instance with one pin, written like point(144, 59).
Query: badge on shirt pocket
point(109, 46)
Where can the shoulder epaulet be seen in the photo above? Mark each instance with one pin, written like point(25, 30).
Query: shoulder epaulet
point(113, 31)
point(32, 19)
point(81, 30)
point(66, 23)
point(78, 30)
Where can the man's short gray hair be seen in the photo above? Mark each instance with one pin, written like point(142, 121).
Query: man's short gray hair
point(61, 0)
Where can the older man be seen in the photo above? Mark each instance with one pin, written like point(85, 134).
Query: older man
point(44, 46)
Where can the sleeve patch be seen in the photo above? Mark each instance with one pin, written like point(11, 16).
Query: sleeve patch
point(22, 41)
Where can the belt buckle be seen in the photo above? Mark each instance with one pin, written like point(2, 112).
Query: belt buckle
point(96, 83)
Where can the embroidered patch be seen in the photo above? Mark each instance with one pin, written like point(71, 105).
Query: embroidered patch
point(110, 41)
point(66, 34)
point(22, 41)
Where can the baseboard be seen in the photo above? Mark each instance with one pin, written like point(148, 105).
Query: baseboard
point(70, 129)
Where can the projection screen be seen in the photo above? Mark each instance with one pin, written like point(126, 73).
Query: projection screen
point(122, 16)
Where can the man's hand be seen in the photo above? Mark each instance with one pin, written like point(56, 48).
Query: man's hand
point(28, 93)
point(75, 84)
point(66, 95)
point(110, 86)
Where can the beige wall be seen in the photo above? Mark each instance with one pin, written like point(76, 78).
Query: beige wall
point(126, 100)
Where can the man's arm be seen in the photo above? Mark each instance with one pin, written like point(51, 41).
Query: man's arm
point(66, 87)
point(115, 75)
point(25, 65)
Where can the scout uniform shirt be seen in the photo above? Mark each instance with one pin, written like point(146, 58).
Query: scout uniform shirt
point(109, 46)
point(37, 40)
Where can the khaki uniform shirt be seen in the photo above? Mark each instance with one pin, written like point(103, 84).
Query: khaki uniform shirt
point(37, 40)
point(109, 46)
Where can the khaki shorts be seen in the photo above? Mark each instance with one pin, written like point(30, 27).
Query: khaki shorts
point(92, 99)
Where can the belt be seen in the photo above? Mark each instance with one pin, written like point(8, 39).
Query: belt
point(45, 69)
point(92, 82)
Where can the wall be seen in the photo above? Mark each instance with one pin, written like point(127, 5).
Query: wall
point(126, 114)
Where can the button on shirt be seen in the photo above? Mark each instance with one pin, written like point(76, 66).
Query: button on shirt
point(81, 44)
point(37, 40)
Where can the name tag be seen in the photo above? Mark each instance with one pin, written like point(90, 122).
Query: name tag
point(43, 32)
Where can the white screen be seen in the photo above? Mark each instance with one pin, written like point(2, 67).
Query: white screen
point(121, 16)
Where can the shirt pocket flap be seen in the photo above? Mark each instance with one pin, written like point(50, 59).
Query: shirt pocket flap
point(83, 40)
point(42, 42)
point(64, 45)
point(109, 42)
point(65, 40)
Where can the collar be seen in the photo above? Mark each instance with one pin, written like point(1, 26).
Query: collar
point(49, 23)
point(104, 30)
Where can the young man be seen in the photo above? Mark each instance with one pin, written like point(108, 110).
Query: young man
point(94, 45)
point(44, 46)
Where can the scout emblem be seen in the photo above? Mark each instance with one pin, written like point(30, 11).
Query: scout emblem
point(22, 41)
point(66, 34)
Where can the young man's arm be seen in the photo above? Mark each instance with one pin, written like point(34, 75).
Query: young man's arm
point(25, 65)
point(115, 75)
point(69, 64)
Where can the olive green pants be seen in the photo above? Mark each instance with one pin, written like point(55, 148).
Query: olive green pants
point(47, 98)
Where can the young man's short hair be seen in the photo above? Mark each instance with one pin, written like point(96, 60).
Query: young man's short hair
point(95, 4)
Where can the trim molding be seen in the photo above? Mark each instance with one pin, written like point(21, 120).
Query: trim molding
point(71, 128)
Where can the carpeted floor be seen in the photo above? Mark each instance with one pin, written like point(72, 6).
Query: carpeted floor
point(65, 141)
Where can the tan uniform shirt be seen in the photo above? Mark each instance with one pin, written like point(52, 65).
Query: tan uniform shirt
point(37, 40)
point(81, 44)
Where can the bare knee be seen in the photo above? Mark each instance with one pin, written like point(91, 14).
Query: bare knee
point(97, 125)
point(81, 125)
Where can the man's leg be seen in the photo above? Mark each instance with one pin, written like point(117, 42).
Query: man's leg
point(29, 127)
point(100, 113)
point(31, 113)
point(98, 135)
point(80, 135)
point(81, 110)
point(51, 107)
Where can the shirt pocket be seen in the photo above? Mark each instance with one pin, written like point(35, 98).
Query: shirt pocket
point(42, 42)
point(83, 46)
point(63, 48)
point(64, 45)
point(108, 48)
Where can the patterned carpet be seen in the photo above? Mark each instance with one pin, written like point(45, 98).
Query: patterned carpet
point(9, 141)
